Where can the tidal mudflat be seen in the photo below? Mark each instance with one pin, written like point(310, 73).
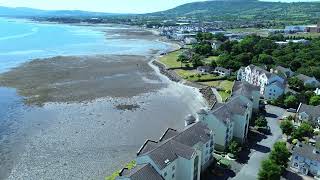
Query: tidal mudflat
point(82, 117)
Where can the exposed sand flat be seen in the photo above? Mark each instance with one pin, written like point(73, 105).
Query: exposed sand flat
point(76, 79)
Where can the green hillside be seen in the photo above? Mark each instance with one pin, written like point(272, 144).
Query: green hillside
point(246, 10)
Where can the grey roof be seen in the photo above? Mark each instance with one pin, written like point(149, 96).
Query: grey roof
point(179, 145)
point(304, 78)
point(169, 151)
point(141, 172)
point(198, 132)
point(168, 134)
point(283, 69)
point(313, 111)
point(277, 83)
point(306, 151)
point(234, 106)
point(204, 68)
point(244, 89)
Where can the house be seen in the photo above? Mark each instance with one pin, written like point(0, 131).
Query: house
point(259, 77)
point(282, 71)
point(314, 29)
point(274, 90)
point(306, 159)
point(317, 92)
point(205, 69)
point(176, 155)
point(222, 71)
point(216, 45)
point(308, 81)
point(284, 43)
point(228, 121)
point(308, 113)
point(247, 90)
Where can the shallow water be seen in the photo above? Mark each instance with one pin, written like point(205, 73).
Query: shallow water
point(81, 140)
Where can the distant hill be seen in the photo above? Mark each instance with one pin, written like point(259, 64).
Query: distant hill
point(246, 10)
point(29, 12)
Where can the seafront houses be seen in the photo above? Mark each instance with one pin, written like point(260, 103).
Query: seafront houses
point(308, 81)
point(177, 155)
point(306, 159)
point(308, 113)
point(228, 121)
point(247, 90)
point(262, 78)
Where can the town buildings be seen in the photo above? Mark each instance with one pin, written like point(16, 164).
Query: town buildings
point(271, 85)
point(176, 155)
point(306, 159)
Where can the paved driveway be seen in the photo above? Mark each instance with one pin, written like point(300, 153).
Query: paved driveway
point(260, 152)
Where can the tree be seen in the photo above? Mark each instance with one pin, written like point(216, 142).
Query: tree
point(182, 59)
point(234, 148)
point(287, 127)
point(220, 37)
point(291, 101)
point(269, 171)
point(296, 83)
point(261, 122)
point(213, 63)
point(280, 154)
point(196, 60)
point(314, 100)
point(202, 48)
point(304, 130)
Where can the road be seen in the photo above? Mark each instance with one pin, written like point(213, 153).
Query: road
point(262, 149)
point(216, 93)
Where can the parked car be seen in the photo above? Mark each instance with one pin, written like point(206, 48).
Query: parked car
point(292, 110)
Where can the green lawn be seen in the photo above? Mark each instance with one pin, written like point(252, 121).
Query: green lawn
point(224, 95)
point(113, 176)
point(210, 58)
point(225, 84)
point(170, 60)
point(195, 76)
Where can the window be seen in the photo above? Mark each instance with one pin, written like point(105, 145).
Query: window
point(296, 157)
point(207, 145)
point(173, 176)
point(165, 174)
point(173, 168)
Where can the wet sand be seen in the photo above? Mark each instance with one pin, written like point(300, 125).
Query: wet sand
point(78, 79)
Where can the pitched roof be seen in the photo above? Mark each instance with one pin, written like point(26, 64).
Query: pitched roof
point(234, 106)
point(141, 172)
point(306, 151)
point(244, 89)
point(283, 69)
point(222, 69)
point(179, 145)
point(278, 84)
point(304, 78)
point(313, 111)
point(168, 134)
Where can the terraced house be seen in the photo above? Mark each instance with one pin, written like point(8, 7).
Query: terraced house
point(229, 120)
point(175, 156)
point(271, 85)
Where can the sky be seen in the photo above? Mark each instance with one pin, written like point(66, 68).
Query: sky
point(112, 6)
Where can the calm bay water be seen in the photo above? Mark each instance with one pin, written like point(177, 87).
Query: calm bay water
point(80, 140)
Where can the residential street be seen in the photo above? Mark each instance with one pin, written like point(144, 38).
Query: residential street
point(262, 148)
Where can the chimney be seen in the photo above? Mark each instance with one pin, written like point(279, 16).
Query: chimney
point(189, 120)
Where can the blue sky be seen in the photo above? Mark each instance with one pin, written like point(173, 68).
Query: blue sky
point(114, 6)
